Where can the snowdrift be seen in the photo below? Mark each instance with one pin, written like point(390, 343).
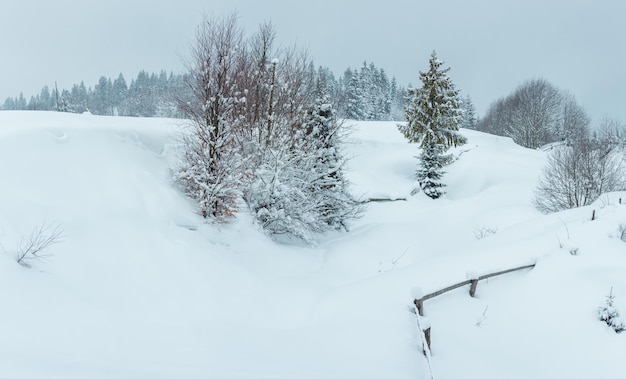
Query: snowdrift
point(140, 286)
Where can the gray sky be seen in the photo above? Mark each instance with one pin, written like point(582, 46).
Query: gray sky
point(492, 46)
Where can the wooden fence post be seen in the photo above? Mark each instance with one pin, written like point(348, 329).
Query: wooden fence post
point(419, 304)
point(473, 286)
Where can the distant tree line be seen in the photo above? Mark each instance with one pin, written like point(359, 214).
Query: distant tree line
point(368, 94)
point(365, 94)
point(148, 95)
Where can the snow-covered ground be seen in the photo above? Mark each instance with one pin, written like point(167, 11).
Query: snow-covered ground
point(141, 287)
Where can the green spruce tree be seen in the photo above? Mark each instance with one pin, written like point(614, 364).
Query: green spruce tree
point(433, 114)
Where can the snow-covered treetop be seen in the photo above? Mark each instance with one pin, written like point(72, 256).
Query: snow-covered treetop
point(434, 111)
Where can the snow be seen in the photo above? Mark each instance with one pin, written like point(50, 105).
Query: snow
point(141, 287)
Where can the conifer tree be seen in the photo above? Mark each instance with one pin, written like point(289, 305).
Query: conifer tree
point(300, 188)
point(118, 95)
point(328, 184)
point(354, 98)
point(470, 119)
point(609, 314)
point(433, 114)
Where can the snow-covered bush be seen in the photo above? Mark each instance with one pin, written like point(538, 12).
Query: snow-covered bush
point(609, 314)
point(299, 188)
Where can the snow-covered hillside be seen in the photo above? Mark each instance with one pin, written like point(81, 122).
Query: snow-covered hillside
point(141, 287)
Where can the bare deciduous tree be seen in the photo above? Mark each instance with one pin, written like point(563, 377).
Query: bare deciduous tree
point(610, 132)
point(210, 169)
point(577, 175)
point(575, 122)
point(535, 114)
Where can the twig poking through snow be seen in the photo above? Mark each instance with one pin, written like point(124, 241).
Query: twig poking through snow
point(394, 262)
point(31, 249)
point(481, 320)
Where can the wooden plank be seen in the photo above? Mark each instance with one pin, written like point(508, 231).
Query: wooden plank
point(383, 200)
point(473, 282)
point(444, 290)
point(505, 272)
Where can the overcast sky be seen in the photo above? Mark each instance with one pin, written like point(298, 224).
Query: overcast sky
point(492, 46)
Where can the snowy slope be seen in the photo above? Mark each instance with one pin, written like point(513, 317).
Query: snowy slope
point(141, 287)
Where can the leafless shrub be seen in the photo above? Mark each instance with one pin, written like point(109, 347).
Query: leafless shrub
point(484, 231)
point(32, 248)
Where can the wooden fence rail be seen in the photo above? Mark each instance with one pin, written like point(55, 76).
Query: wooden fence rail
point(419, 303)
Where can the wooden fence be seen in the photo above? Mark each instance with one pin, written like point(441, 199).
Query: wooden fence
point(473, 283)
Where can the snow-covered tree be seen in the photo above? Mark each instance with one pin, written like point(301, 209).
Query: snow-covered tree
point(430, 171)
point(296, 185)
point(210, 170)
point(433, 114)
point(470, 118)
point(101, 97)
point(79, 101)
point(354, 96)
point(397, 97)
point(328, 184)
point(46, 100)
point(141, 96)
point(300, 188)
point(63, 105)
point(21, 102)
point(277, 190)
point(118, 95)
point(609, 314)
